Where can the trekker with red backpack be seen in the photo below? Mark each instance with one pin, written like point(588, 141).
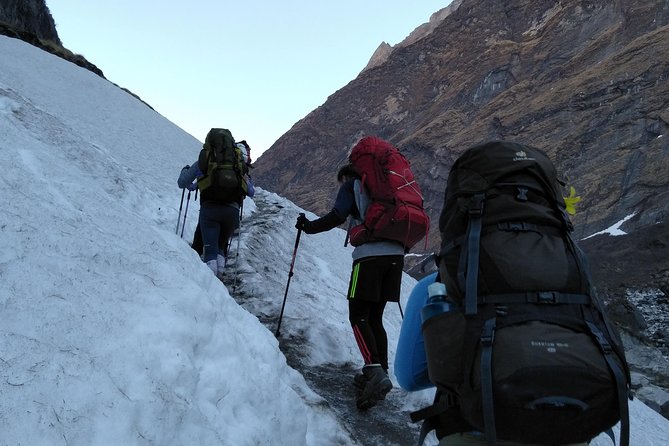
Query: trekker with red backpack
point(378, 257)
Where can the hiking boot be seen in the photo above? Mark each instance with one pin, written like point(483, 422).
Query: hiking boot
point(359, 382)
point(220, 268)
point(377, 386)
point(213, 266)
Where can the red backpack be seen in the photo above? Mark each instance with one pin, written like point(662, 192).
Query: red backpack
point(396, 209)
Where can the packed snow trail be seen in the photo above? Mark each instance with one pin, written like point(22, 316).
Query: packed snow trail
point(321, 348)
point(387, 423)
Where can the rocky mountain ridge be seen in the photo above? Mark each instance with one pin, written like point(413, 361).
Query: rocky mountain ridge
point(579, 79)
point(383, 51)
point(583, 80)
point(29, 16)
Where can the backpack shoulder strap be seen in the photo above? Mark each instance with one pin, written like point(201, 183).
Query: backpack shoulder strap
point(203, 161)
point(620, 378)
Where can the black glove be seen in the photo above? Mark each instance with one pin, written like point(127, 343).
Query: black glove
point(329, 221)
point(302, 222)
point(186, 167)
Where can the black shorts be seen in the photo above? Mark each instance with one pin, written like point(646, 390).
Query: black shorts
point(376, 279)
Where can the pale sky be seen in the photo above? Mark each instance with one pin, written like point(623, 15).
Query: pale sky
point(253, 66)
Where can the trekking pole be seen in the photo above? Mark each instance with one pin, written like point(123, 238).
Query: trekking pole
point(183, 226)
point(183, 193)
point(290, 274)
point(241, 211)
point(227, 249)
point(239, 236)
point(348, 233)
point(399, 304)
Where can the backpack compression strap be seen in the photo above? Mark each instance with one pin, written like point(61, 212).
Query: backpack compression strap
point(443, 415)
point(473, 240)
point(487, 338)
point(536, 297)
point(506, 226)
point(430, 416)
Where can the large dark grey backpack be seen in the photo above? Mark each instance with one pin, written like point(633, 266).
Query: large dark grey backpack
point(539, 361)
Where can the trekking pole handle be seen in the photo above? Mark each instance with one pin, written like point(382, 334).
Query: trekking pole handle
point(297, 242)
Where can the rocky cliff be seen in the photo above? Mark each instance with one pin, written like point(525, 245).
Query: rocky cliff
point(31, 16)
point(583, 80)
point(384, 50)
point(31, 21)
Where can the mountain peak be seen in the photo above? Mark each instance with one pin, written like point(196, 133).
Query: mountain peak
point(384, 50)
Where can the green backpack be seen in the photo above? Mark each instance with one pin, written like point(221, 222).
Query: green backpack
point(223, 168)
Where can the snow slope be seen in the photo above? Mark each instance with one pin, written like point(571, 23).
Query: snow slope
point(112, 332)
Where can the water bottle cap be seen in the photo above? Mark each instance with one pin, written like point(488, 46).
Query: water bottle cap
point(436, 289)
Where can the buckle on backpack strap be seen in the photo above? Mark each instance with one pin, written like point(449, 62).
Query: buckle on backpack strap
point(522, 194)
point(476, 209)
point(515, 227)
point(547, 297)
point(488, 333)
point(601, 339)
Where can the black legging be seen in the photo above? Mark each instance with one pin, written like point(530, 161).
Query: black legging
point(367, 322)
point(198, 245)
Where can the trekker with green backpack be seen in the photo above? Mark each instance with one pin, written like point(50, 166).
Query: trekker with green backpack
point(223, 243)
point(220, 172)
point(510, 330)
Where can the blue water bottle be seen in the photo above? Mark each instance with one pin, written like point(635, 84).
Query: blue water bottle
point(443, 326)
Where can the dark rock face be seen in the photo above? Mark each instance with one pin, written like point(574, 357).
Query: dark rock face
point(632, 273)
point(31, 16)
point(585, 80)
point(582, 80)
point(31, 21)
point(632, 277)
